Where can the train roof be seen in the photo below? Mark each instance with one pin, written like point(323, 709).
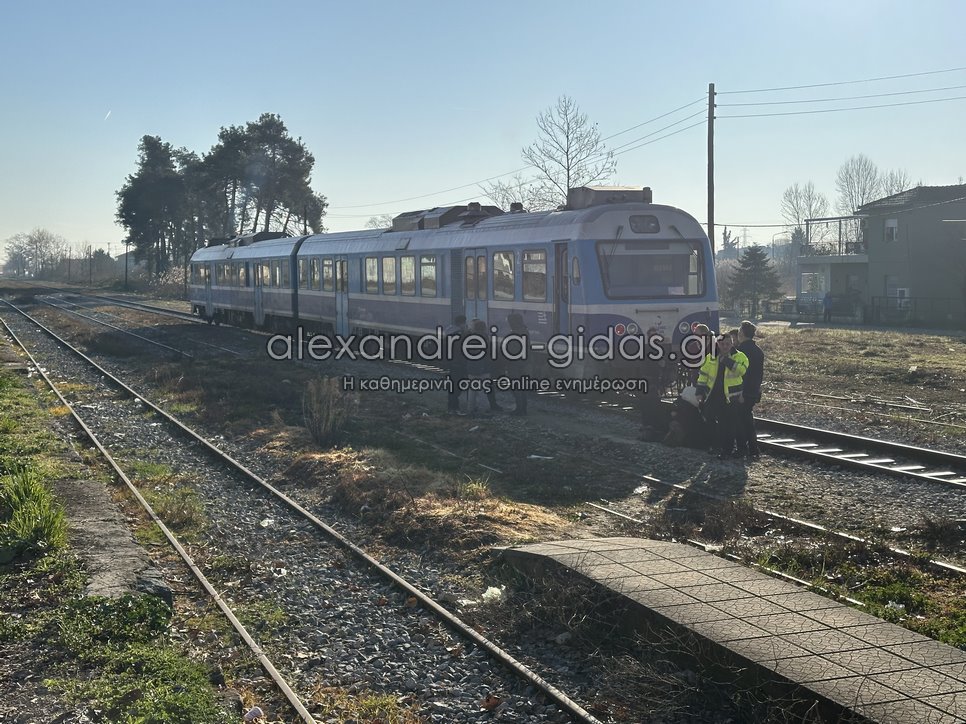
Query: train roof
point(592, 213)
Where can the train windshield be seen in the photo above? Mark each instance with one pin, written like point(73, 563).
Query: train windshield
point(653, 269)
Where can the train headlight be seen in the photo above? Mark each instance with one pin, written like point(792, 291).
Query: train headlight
point(619, 329)
point(633, 328)
point(684, 328)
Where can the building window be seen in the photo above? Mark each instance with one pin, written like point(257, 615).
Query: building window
point(427, 276)
point(372, 275)
point(503, 284)
point(389, 275)
point(891, 229)
point(407, 275)
point(535, 275)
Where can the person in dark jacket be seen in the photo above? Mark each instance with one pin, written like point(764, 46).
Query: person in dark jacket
point(516, 369)
point(720, 384)
point(456, 362)
point(751, 391)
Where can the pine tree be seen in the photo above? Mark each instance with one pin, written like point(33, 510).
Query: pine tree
point(755, 279)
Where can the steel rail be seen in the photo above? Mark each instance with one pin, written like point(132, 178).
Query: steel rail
point(239, 627)
point(561, 699)
point(114, 327)
point(798, 441)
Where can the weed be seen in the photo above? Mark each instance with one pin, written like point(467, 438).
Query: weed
point(115, 621)
point(179, 508)
point(30, 520)
point(326, 408)
point(473, 488)
point(339, 705)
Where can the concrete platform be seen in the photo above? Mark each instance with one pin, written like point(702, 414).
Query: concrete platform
point(847, 660)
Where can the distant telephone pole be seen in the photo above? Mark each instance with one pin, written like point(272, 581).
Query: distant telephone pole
point(711, 165)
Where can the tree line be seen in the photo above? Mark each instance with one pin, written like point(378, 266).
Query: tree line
point(255, 178)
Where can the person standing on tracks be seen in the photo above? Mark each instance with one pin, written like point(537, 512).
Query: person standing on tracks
point(455, 362)
point(478, 370)
point(654, 424)
point(516, 369)
point(750, 390)
point(719, 391)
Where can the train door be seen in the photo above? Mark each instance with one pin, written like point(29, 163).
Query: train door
point(561, 288)
point(209, 302)
point(475, 283)
point(261, 277)
point(342, 296)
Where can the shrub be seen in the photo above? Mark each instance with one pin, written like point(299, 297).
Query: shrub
point(326, 408)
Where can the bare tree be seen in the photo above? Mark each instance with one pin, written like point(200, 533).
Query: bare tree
point(383, 221)
point(569, 153)
point(858, 182)
point(895, 182)
point(518, 190)
point(803, 202)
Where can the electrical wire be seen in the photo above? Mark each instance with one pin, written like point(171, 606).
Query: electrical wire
point(844, 98)
point(843, 82)
point(519, 170)
point(851, 108)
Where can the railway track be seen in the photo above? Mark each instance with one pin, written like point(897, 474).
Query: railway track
point(113, 414)
point(776, 437)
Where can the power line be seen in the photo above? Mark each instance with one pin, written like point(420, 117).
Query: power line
point(661, 138)
point(654, 133)
point(851, 108)
point(656, 118)
point(843, 82)
point(519, 170)
point(844, 98)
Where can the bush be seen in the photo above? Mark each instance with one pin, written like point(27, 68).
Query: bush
point(326, 408)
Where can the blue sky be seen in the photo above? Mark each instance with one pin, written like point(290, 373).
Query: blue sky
point(399, 100)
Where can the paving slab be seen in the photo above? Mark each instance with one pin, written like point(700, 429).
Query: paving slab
point(847, 660)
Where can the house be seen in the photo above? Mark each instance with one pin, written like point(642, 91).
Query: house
point(898, 260)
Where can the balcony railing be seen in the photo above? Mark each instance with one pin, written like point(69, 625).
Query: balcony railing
point(833, 248)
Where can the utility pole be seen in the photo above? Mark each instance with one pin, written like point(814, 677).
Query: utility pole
point(711, 165)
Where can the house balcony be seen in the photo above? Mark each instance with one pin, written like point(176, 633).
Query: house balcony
point(834, 252)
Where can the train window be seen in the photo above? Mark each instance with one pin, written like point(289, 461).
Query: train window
point(427, 276)
point(469, 283)
point(303, 273)
point(645, 269)
point(503, 286)
point(535, 275)
point(645, 224)
point(575, 272)
point(266, 274)
point(372, 275)
point(315, 279)
point(481, 277)
point(243, 279)
point(389, 275)
point(285, 267)
point(407, 275)
point(327, 278)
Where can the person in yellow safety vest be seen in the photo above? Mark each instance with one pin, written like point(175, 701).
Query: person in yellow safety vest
point(719, 389)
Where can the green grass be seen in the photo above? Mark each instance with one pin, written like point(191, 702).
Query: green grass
point(31, 521)
point(110, 657)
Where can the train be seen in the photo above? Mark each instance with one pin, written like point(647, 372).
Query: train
point(609, 264)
